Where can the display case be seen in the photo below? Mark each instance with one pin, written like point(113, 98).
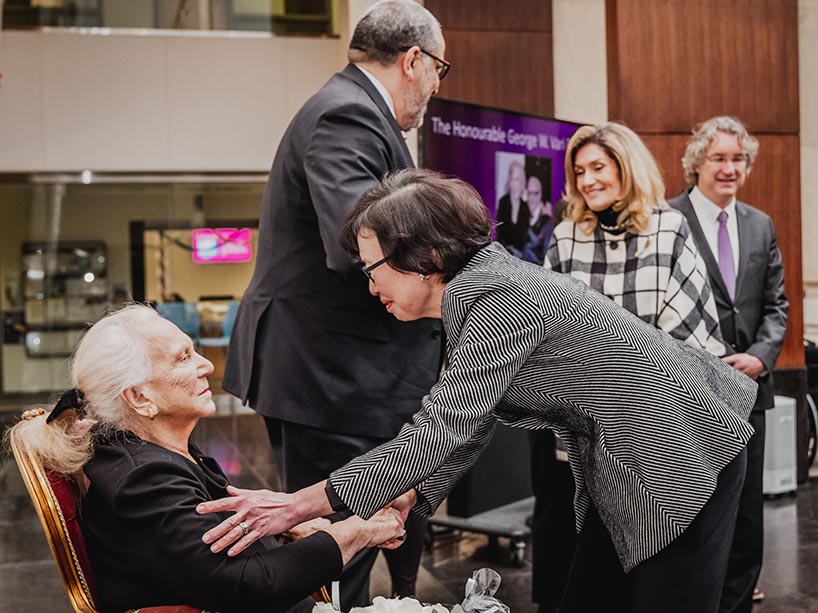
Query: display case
point(65, 287)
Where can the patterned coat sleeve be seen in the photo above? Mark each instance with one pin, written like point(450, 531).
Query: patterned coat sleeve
point(688, 310)
point(456, 420)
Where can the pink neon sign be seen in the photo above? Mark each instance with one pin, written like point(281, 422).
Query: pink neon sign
point(220, 245)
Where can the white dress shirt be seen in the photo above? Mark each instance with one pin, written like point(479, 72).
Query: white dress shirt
point(707, 212)
point(381, 89)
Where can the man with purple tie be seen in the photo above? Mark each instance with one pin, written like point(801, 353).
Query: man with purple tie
point(744, 266)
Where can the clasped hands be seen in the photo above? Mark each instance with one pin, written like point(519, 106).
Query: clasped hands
point(295, 516)
point(747, 363)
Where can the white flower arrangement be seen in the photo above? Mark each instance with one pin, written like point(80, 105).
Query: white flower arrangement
point(391, 605)
point(480, 590)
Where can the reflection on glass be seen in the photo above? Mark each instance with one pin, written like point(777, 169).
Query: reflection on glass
point(70, 251)
point(294, 17)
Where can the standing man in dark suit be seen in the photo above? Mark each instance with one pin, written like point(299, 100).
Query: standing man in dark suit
point(744, 266)
point(331, 371)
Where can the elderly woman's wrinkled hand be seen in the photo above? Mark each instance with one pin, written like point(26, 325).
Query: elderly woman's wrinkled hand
point(257, 513)
point(306, 528)
point(386, 529)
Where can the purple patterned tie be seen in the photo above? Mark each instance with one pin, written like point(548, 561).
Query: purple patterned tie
point(728, 269)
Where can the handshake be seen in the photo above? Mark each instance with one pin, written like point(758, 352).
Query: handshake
point(260, 513)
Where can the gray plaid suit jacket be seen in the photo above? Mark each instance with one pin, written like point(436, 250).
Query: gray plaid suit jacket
point(756, 321)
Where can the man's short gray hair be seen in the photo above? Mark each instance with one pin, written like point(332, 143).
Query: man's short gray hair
point(389, 28)
point(704, 134)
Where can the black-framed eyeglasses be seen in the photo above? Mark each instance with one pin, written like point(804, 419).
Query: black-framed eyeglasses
point(368, 269)
point(442, 67)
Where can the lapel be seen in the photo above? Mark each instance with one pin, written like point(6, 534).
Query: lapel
point(354, 73)
point(713, 270)
point(744, 244)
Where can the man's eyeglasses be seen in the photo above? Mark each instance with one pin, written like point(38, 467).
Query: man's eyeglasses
point(368, 269)
point(721, 160)
point(442, 66)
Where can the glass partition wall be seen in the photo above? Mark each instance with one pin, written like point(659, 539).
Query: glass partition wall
point(69, 252)
point(300, 17)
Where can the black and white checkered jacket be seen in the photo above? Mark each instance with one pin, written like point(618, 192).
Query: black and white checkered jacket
point(648, 421)
point(658, 275)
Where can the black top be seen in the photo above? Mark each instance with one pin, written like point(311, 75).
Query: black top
point(609, 218)
point(509, 233)
point(144, 537)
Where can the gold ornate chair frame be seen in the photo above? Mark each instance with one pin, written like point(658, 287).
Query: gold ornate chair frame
point(55, 527)
point(59, 540)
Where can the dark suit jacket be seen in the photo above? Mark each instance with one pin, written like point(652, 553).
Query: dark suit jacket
point(756, 321)
point(310, 344)
point(144, 537)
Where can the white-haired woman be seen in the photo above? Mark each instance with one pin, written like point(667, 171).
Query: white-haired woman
point(140, 379)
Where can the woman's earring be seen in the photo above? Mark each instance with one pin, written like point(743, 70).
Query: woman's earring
point(153, 413)
point(422, 277)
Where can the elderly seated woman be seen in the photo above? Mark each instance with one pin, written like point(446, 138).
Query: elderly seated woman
point(138, 376)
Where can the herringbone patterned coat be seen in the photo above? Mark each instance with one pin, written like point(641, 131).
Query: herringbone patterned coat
point(648, 421)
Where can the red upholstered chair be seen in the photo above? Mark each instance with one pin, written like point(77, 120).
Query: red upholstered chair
point(56, 499)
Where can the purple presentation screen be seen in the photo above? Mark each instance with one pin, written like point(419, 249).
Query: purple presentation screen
point(515, 161)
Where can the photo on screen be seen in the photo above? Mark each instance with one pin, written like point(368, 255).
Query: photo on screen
point(514, 160)
point(524, 211)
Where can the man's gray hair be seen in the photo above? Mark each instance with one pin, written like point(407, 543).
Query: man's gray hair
point(389, 28)
point(704, 134)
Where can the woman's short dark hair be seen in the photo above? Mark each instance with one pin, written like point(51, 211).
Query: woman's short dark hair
point(425, 222)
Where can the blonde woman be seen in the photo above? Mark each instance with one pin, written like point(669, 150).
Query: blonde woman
point(621, 239)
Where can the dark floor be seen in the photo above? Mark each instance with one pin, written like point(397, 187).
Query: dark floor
point(29, 581)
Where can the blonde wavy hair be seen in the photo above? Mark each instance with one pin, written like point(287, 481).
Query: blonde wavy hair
point(112, 356)
point(643, 189)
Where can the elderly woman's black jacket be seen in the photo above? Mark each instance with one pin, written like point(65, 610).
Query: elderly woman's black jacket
point(144, 537)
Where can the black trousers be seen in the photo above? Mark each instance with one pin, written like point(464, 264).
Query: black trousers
point(553, 526)
point(747, 549)
point(685, 577)
point(309, 455)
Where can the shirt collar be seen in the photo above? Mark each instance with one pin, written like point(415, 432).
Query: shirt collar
point(709, 208)
point(381, 89)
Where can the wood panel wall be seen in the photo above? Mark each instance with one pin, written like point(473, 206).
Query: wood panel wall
point(501, 53)
point(672, 65)
point(671, 62)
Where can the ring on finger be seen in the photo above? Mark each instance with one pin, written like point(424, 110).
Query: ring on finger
point(244, 528)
